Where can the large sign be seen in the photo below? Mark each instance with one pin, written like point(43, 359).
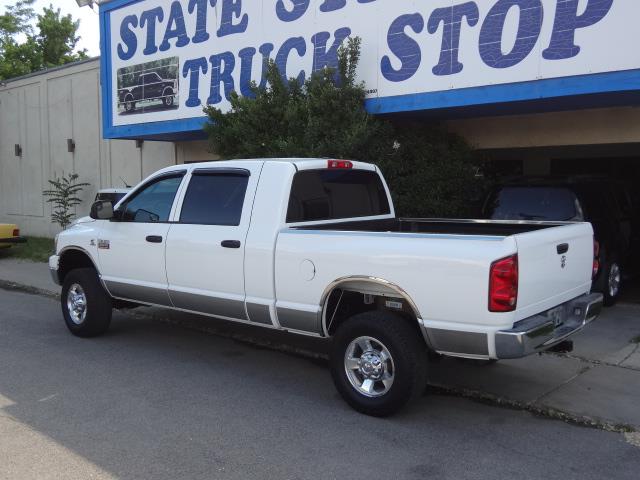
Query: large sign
point(164, 60)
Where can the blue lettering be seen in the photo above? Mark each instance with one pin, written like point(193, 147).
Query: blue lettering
point(175, 28)
point(222, 66)
point(529, 28)
point(331, 5)
point(327, 58)
point(231, 9)
point(567, 21)
point(246, 61)
point(192, 69)
point(265, 51)
point(200, 6)
point(405, 48)
point(282, 57)
point(299, 8)
point(149, 18)
point(452, 19)
point(246, 64)
point(128, 37)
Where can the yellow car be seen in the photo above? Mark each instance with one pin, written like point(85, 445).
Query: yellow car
point(10, 235)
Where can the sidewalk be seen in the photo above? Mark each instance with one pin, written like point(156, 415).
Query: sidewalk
point(598, 382)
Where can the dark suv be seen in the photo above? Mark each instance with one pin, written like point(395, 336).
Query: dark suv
point(605, 203)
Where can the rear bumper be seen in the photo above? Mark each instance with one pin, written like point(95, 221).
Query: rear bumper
point(12, 240)
point(546, 329)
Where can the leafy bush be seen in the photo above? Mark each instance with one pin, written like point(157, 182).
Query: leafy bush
point(64, 197)
point(430, 172)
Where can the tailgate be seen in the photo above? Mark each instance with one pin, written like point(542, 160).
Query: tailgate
point(555, 265)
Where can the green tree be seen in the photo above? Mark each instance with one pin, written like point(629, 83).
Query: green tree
point(26, 48)
point(430, 172)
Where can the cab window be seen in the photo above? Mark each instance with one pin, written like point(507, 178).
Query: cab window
point(318, 195)
point(215, 197)
point(152, 204)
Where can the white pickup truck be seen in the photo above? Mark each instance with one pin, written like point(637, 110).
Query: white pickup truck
point(314, 247)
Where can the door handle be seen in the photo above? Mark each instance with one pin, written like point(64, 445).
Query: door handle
point(154, 239)
point(230, 243)
point(562, 248)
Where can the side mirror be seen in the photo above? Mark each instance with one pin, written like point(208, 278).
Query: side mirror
point(102, 210)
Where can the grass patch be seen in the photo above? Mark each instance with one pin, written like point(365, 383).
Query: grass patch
point(37, 249)
point(636, 339)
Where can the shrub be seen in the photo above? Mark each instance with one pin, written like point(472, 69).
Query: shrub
point(430, 172)
point(64, 197)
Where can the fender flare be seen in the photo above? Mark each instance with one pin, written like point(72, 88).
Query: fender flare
point(383, 285)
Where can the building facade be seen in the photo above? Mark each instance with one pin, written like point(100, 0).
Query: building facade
point(535, 86)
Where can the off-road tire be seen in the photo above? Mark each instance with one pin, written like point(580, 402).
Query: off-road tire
point(98, 303)
point(407, 348)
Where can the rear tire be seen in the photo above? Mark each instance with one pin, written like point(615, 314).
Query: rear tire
point(612, 282)
point(378, 363)
point(86, 306)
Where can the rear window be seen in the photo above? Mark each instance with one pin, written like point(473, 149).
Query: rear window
point(214, 199)
point(533, 203)
point(318, 195)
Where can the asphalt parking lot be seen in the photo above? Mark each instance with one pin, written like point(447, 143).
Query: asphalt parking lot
point(154, 400)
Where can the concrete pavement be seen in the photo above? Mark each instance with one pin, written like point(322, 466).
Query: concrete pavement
point(599, 383)
point(154, 400)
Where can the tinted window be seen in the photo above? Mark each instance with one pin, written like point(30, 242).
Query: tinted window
point(336, 194)
point(110, 197)
point(534, 203)
point(153, 203)
point(214, 199)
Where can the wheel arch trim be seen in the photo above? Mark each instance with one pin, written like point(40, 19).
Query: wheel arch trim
point(359, 279)
point(75, 248)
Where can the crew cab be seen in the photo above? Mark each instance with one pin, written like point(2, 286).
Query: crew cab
point(314, 247)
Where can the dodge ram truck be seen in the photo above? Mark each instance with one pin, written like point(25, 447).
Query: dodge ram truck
point(314, 247)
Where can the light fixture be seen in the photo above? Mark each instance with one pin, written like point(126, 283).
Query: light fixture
point(85, 3)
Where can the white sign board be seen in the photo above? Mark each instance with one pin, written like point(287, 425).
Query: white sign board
point(166, 59)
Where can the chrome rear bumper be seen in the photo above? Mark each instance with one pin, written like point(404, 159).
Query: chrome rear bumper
point(546, 329)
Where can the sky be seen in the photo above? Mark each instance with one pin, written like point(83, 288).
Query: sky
point(89, 27)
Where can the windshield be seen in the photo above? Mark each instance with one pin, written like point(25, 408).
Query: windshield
point(533, 203)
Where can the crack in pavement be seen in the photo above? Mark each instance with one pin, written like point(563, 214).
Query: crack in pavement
point(598, 362)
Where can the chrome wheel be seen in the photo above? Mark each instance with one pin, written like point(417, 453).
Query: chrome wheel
point(615, 277)
point(369, 366)
point(77, 304)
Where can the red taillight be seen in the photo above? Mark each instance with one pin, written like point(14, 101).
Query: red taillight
point(503, 285)
point(339, 164)
point(596, 258)
point(16, 232)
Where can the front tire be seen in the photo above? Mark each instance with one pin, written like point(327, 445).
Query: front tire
point(378, 363)
point(86, 307)
point(168, 97)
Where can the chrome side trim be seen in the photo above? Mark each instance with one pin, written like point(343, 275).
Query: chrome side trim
point(378, 281)
point(298, 320)
point(86, 252)
point(138, 293)
point(457, 342)
point(222, 307)
point(259, 313)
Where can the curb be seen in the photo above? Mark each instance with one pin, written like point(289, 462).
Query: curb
point(437, 389)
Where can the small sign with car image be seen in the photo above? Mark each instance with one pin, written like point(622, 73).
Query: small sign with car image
point(148, 87)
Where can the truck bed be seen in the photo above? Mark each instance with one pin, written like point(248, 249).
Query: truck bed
point(437, 226)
